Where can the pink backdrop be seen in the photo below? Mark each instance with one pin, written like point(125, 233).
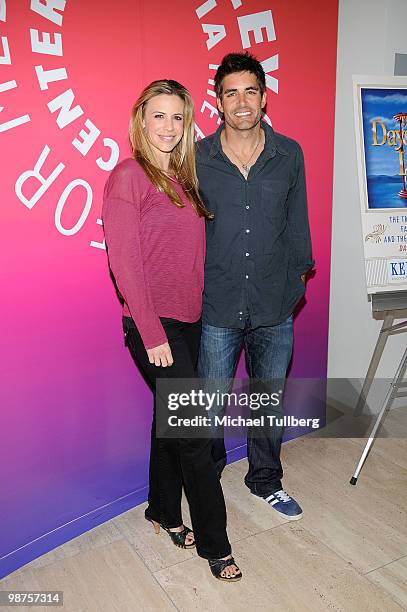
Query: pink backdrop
point(75, 413)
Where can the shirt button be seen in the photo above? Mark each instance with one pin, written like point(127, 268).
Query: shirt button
point(247, 254)
point(247, 231)
point(247, 207)
point(247, 276)
point(240, 312)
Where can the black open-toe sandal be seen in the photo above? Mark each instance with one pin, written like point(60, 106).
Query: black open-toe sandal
point(178, 537)
point(218, 565)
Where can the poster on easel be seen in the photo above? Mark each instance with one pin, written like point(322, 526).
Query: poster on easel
point(381, 143)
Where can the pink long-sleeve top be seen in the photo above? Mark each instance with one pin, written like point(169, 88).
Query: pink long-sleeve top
point(156, 251)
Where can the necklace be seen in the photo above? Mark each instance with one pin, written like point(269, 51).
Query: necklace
point(245, 165)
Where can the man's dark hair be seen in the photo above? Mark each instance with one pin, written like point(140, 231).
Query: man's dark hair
point(239, 62)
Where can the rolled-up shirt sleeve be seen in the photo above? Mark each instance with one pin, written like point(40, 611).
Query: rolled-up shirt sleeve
point(121, 221)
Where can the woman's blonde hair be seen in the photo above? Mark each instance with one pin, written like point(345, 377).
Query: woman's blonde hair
point(182, 157)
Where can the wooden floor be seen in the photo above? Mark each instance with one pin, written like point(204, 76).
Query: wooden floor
point(348, 553)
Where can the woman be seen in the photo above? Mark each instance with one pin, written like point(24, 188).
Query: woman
point(154, 224)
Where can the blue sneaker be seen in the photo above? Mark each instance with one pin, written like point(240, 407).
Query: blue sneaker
point(282, 503)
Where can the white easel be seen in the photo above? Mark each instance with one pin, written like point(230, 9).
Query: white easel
point(388, 304)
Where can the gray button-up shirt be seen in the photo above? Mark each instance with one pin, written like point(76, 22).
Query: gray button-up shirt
point(258, 244)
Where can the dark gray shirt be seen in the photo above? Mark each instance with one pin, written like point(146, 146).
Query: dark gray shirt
point(258, 244)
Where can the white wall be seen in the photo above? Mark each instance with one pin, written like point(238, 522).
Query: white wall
point(370, 33)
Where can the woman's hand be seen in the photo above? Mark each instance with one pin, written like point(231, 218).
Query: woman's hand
point(160, 355)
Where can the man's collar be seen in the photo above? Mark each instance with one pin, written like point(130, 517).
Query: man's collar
point(271, 145)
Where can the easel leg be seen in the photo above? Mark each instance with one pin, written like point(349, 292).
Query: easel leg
point(374, 362)
point(386, 405)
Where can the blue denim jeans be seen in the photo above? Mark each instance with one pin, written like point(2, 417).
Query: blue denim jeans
point(268, 352)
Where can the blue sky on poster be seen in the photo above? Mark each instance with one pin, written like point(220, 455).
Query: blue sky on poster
point(381, 105)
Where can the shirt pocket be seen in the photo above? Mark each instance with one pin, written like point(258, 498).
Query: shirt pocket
point(274, 212)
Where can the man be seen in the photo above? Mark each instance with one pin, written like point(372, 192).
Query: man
point(258, 252)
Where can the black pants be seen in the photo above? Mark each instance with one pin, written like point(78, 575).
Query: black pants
point(177, 462)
